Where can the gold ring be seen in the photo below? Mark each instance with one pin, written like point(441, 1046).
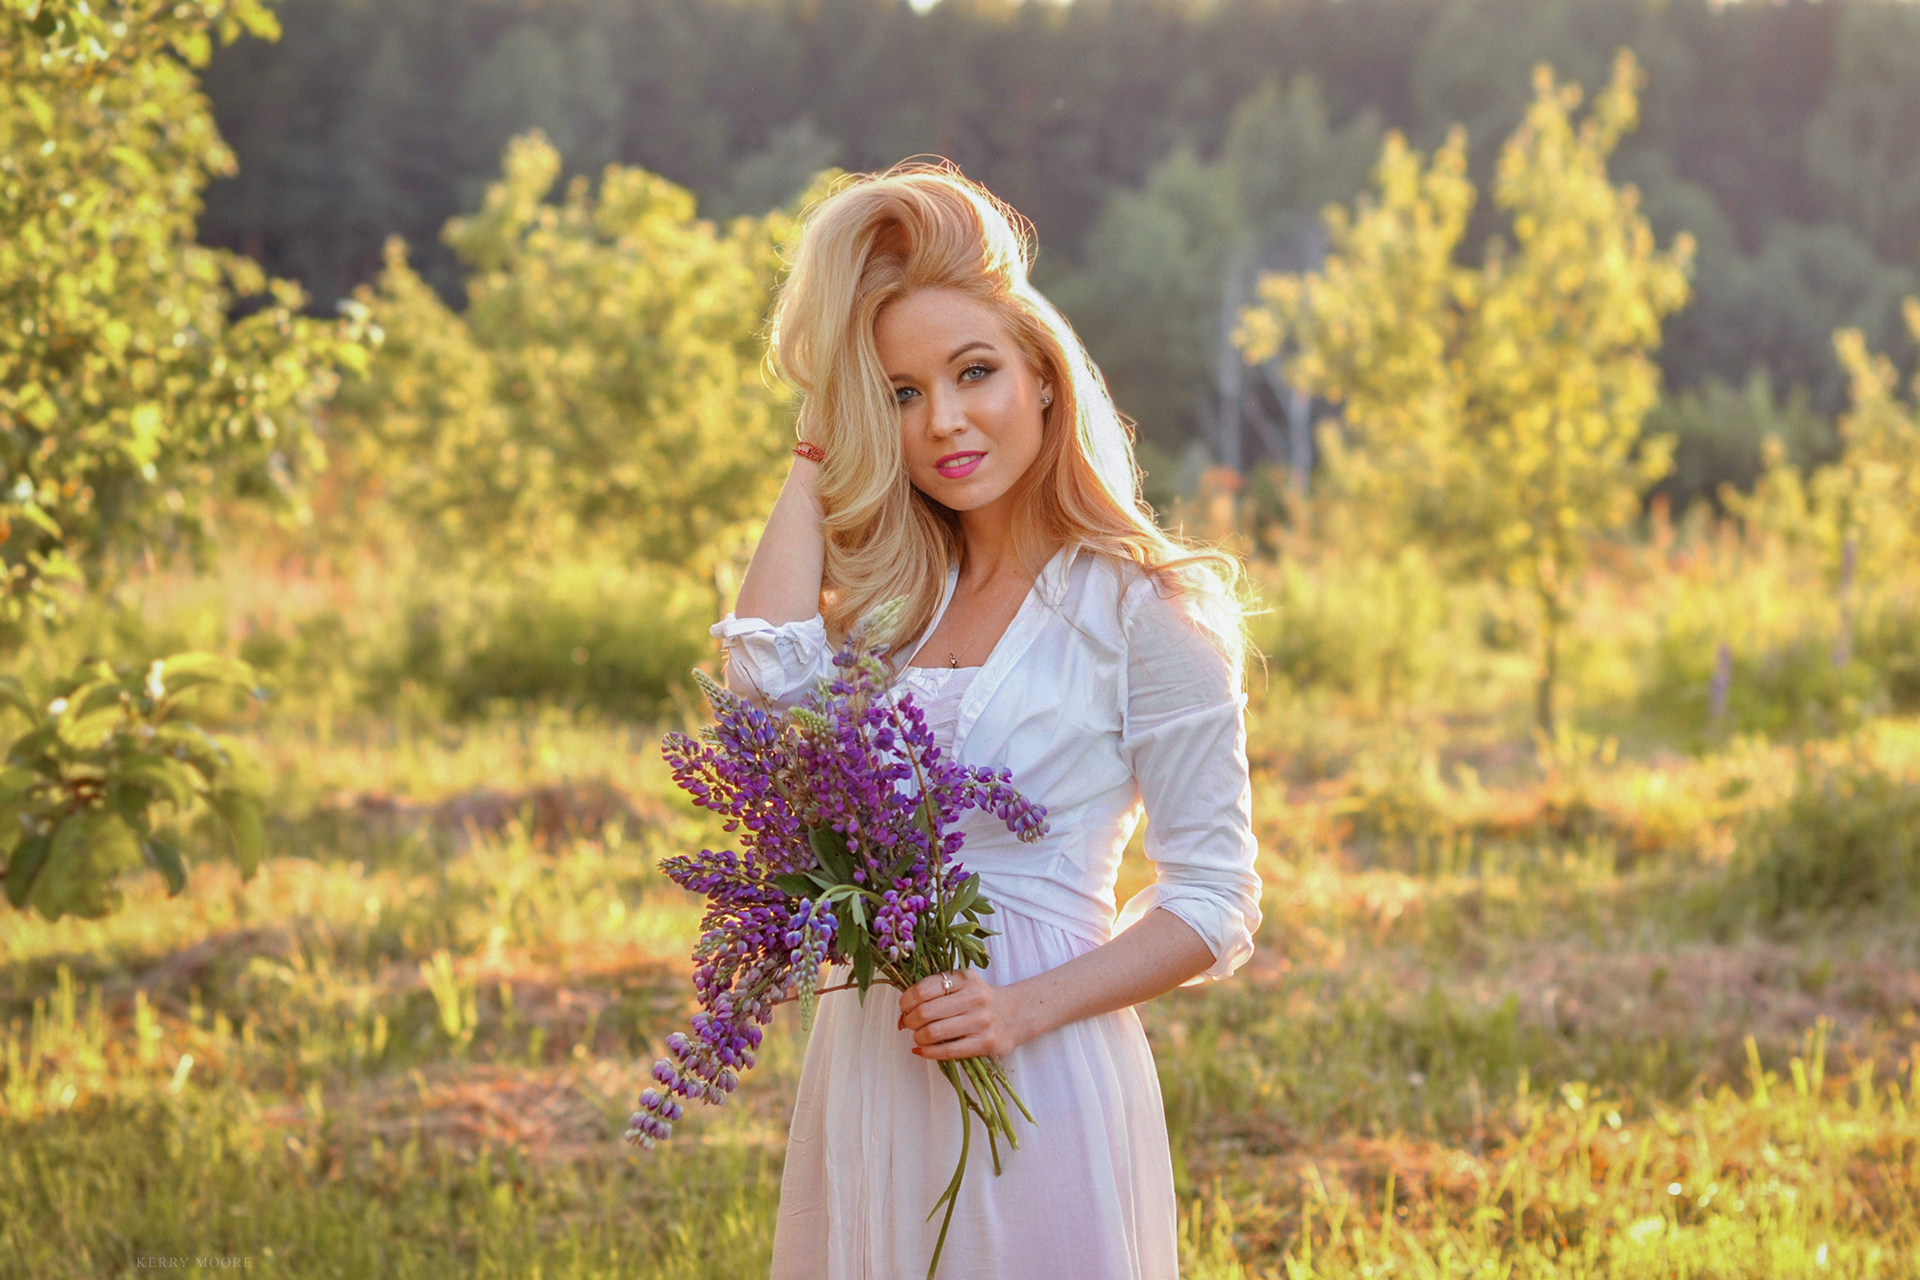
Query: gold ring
point(946, 982)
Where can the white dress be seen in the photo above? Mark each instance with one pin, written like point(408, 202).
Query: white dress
point(876, 1131)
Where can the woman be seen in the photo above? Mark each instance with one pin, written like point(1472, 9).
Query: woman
point(959, 448)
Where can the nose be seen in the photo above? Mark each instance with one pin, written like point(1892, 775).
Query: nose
point(946, 416)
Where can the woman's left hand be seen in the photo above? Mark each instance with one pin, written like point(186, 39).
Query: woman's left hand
point(974, 1020)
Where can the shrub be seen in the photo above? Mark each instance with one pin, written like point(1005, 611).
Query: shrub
point(1362, 626)
point(580, 634)
point(1847, 837)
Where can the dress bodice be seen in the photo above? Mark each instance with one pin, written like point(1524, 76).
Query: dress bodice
point(937, 691)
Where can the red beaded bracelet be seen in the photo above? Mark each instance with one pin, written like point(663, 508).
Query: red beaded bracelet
point(810, 451)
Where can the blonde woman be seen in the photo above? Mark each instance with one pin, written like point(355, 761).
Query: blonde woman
point(958, 447)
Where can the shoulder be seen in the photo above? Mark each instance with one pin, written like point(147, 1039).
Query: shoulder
point(1170, 613)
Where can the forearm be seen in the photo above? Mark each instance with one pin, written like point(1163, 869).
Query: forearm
point(1157, 954)
point(782, 583)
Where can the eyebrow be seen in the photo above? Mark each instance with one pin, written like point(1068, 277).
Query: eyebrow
point(975, 344)
point(965, 347)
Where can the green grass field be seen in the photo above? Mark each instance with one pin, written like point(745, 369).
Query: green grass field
point(1516, 1012)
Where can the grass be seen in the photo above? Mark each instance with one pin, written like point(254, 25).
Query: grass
point(1589, 1007)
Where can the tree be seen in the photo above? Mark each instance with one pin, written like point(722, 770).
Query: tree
point(1165, 261)
point(604, 383)
point(130, 397)
point(1874, 489)
point(1493, 411)
point(1863, 146)
point(1861, 512)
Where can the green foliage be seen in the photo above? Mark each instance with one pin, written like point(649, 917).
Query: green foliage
point(603, 384)
point(1861, 513)
point(1720, 434)
point(588, 634)
point(130, 397)
point(98, 758)
point(1494, 412)
point(1862, 146)
point(584, 634)
point(1788, 686)
point(1847, 838)
point(1372, 628)
point(1163, 260)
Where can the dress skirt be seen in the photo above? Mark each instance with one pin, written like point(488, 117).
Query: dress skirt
point(876, 1132)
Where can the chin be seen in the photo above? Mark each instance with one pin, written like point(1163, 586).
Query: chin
point(966, 498)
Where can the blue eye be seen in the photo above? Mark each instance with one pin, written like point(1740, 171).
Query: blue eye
point(981, 369)
point(900, 394)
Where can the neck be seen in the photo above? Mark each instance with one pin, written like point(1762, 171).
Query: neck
point(989, 549)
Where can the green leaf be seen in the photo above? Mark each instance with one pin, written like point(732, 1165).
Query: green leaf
point(243, 770)
point(14, 694)
point(24, 868)
point(17, 782)
point(92, 712)
point(89, 733)
point(131, 802)
point(192, 744)
point(90, 849)
point(863, 966)
point(184, 671)
point(245, 822)
point(831, 848)
point(963, 897)
point(101, 691)
point(12, 830)
point(166, 860)
point(39, 750)
point(160, 774)
point(795, 885)
point(38, 517)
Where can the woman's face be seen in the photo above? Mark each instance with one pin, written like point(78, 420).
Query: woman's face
point(970, 404)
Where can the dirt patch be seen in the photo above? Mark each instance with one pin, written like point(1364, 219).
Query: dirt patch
point(551, 1114)
point(551, 815)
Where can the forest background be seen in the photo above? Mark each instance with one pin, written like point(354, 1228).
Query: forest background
point(384, 419)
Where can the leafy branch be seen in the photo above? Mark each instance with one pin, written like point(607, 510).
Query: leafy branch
point(100, 758)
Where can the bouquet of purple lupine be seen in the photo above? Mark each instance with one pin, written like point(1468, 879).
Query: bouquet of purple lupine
point(845, 807)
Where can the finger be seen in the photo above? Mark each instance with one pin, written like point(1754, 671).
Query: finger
point(928, 988)
point(933, 1010)
point(974, 1046)
point(954, 1028)
point(931, 999)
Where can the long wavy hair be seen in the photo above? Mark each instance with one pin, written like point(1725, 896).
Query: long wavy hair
point(878, 237)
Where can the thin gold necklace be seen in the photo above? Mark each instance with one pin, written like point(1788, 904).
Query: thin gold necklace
point(953, 655)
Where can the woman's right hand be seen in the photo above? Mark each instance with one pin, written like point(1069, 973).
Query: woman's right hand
point(782, 583)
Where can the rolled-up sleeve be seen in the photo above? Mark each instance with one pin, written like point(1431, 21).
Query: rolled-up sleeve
point(1185, 739)
point(777, 662)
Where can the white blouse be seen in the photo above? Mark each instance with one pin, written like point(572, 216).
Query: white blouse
point(938, 692)
point(1103, 698)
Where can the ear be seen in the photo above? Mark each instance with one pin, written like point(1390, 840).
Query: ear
point(1046, 394)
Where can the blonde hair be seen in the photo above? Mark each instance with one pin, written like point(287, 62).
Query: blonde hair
point(879, 237)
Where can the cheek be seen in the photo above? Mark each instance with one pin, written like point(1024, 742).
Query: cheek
point(1031, 429)
point(1017, 418)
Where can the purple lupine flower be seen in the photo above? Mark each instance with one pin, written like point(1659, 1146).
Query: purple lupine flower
point(863, 766)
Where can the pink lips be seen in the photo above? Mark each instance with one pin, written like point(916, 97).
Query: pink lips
point(956, 466)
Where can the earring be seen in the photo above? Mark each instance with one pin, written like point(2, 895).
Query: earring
point(1046, 399)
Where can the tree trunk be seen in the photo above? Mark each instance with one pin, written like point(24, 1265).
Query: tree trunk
point(1549, 667)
